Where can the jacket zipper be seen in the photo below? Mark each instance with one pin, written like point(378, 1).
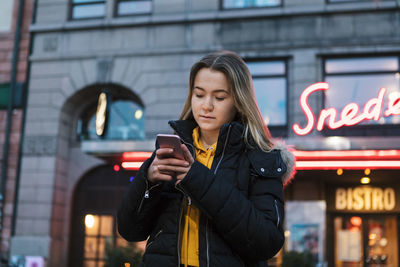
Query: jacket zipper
point(179, 235)
point(146, 194)
point(215, 172)
point(189, 200)
point(277, 213)
point(149, 244)
point(223, 151)
point(208, 246)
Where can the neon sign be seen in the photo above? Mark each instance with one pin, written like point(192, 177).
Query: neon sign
point(350, 114)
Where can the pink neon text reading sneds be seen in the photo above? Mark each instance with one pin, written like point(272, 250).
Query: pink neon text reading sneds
point(350, 113)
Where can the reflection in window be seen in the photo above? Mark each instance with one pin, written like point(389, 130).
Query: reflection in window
point(133, 7)
point(103, 241)
point(87, 9)
point(6, 15)
point(250, 3)
point(269, 79)
point(357, 80)
point(98, 232)
point(342, 1)
point(125, 122)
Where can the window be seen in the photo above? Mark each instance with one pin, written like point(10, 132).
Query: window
point(4, 95)
point(88, 9)
point(125, 122)
point(98, 233)
point(133, 7)
point(343, 1)
point(358, 80)
point(6, 12)
point(228, 4)
point(270, 85)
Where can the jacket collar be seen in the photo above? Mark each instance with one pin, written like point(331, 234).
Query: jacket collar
point(231, 132)
point(234, 132)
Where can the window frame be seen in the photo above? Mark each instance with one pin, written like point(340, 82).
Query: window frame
point(19, 95)
point(351, 1)
point(72, 5)
point(359, 130)
point(221, 6)
point(116, 3)
point(82, 129)
point(98, 236)
point(277, 130)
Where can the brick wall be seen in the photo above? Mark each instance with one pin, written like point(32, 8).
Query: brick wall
point(7, 209)
point(6, 56)
point(7, 45)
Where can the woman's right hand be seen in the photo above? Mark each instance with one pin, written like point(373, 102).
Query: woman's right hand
point(164, 167)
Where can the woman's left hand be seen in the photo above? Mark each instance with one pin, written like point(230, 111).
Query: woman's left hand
point(188, 158)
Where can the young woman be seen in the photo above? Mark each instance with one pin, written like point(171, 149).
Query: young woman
point(222, 205)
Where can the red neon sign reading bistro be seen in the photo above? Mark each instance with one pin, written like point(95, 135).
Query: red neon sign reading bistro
point(350, 114)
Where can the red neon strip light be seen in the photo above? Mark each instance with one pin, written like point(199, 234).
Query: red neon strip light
point(134, 166)
point(136, 156)
point(348, 154)
point(311, 160)
point(333, 165)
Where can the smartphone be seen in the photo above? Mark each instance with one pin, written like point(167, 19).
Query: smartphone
point(171, 141)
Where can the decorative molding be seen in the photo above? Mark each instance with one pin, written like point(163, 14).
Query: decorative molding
point(104, 69)
point(40, 145)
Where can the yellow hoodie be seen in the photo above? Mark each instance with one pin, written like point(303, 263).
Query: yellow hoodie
point(190, 230)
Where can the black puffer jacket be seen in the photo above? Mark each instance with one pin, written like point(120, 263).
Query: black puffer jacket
point(240, 199)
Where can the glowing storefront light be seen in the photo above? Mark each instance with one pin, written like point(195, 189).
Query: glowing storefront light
point(365, 180)
point(131, 165)
point(356, 221)
point(311, 160)
point(350, 114)
point(89, 220)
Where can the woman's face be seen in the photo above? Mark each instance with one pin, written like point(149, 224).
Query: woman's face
point(212, 101)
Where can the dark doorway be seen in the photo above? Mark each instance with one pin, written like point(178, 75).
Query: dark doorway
point(93, 218)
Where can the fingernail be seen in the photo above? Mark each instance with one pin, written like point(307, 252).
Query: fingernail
point(171, 150)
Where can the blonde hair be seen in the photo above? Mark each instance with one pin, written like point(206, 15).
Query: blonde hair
point(241, 87)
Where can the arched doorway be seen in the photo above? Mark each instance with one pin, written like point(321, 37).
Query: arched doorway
point(93, 216)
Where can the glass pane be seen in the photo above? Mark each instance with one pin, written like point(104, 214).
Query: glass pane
point(86, 1)
point(382, 242)
point(102, 246)
point(348, 241)
point(88, 11)
point(91, 224)
point(261, 3)
point(267, 68)
point(332, 1)
point(361, 88)
point(362, 64)
point(134, 7)
point(106, 225)
point(250, 3)
point(126, 122)
point(88, 263)
point(90, 247)
point(271, 98)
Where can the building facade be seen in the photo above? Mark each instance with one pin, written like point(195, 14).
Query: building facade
point(15, 18)
point(139, 54)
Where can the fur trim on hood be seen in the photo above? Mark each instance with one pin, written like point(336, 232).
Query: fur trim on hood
point(289, 160)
